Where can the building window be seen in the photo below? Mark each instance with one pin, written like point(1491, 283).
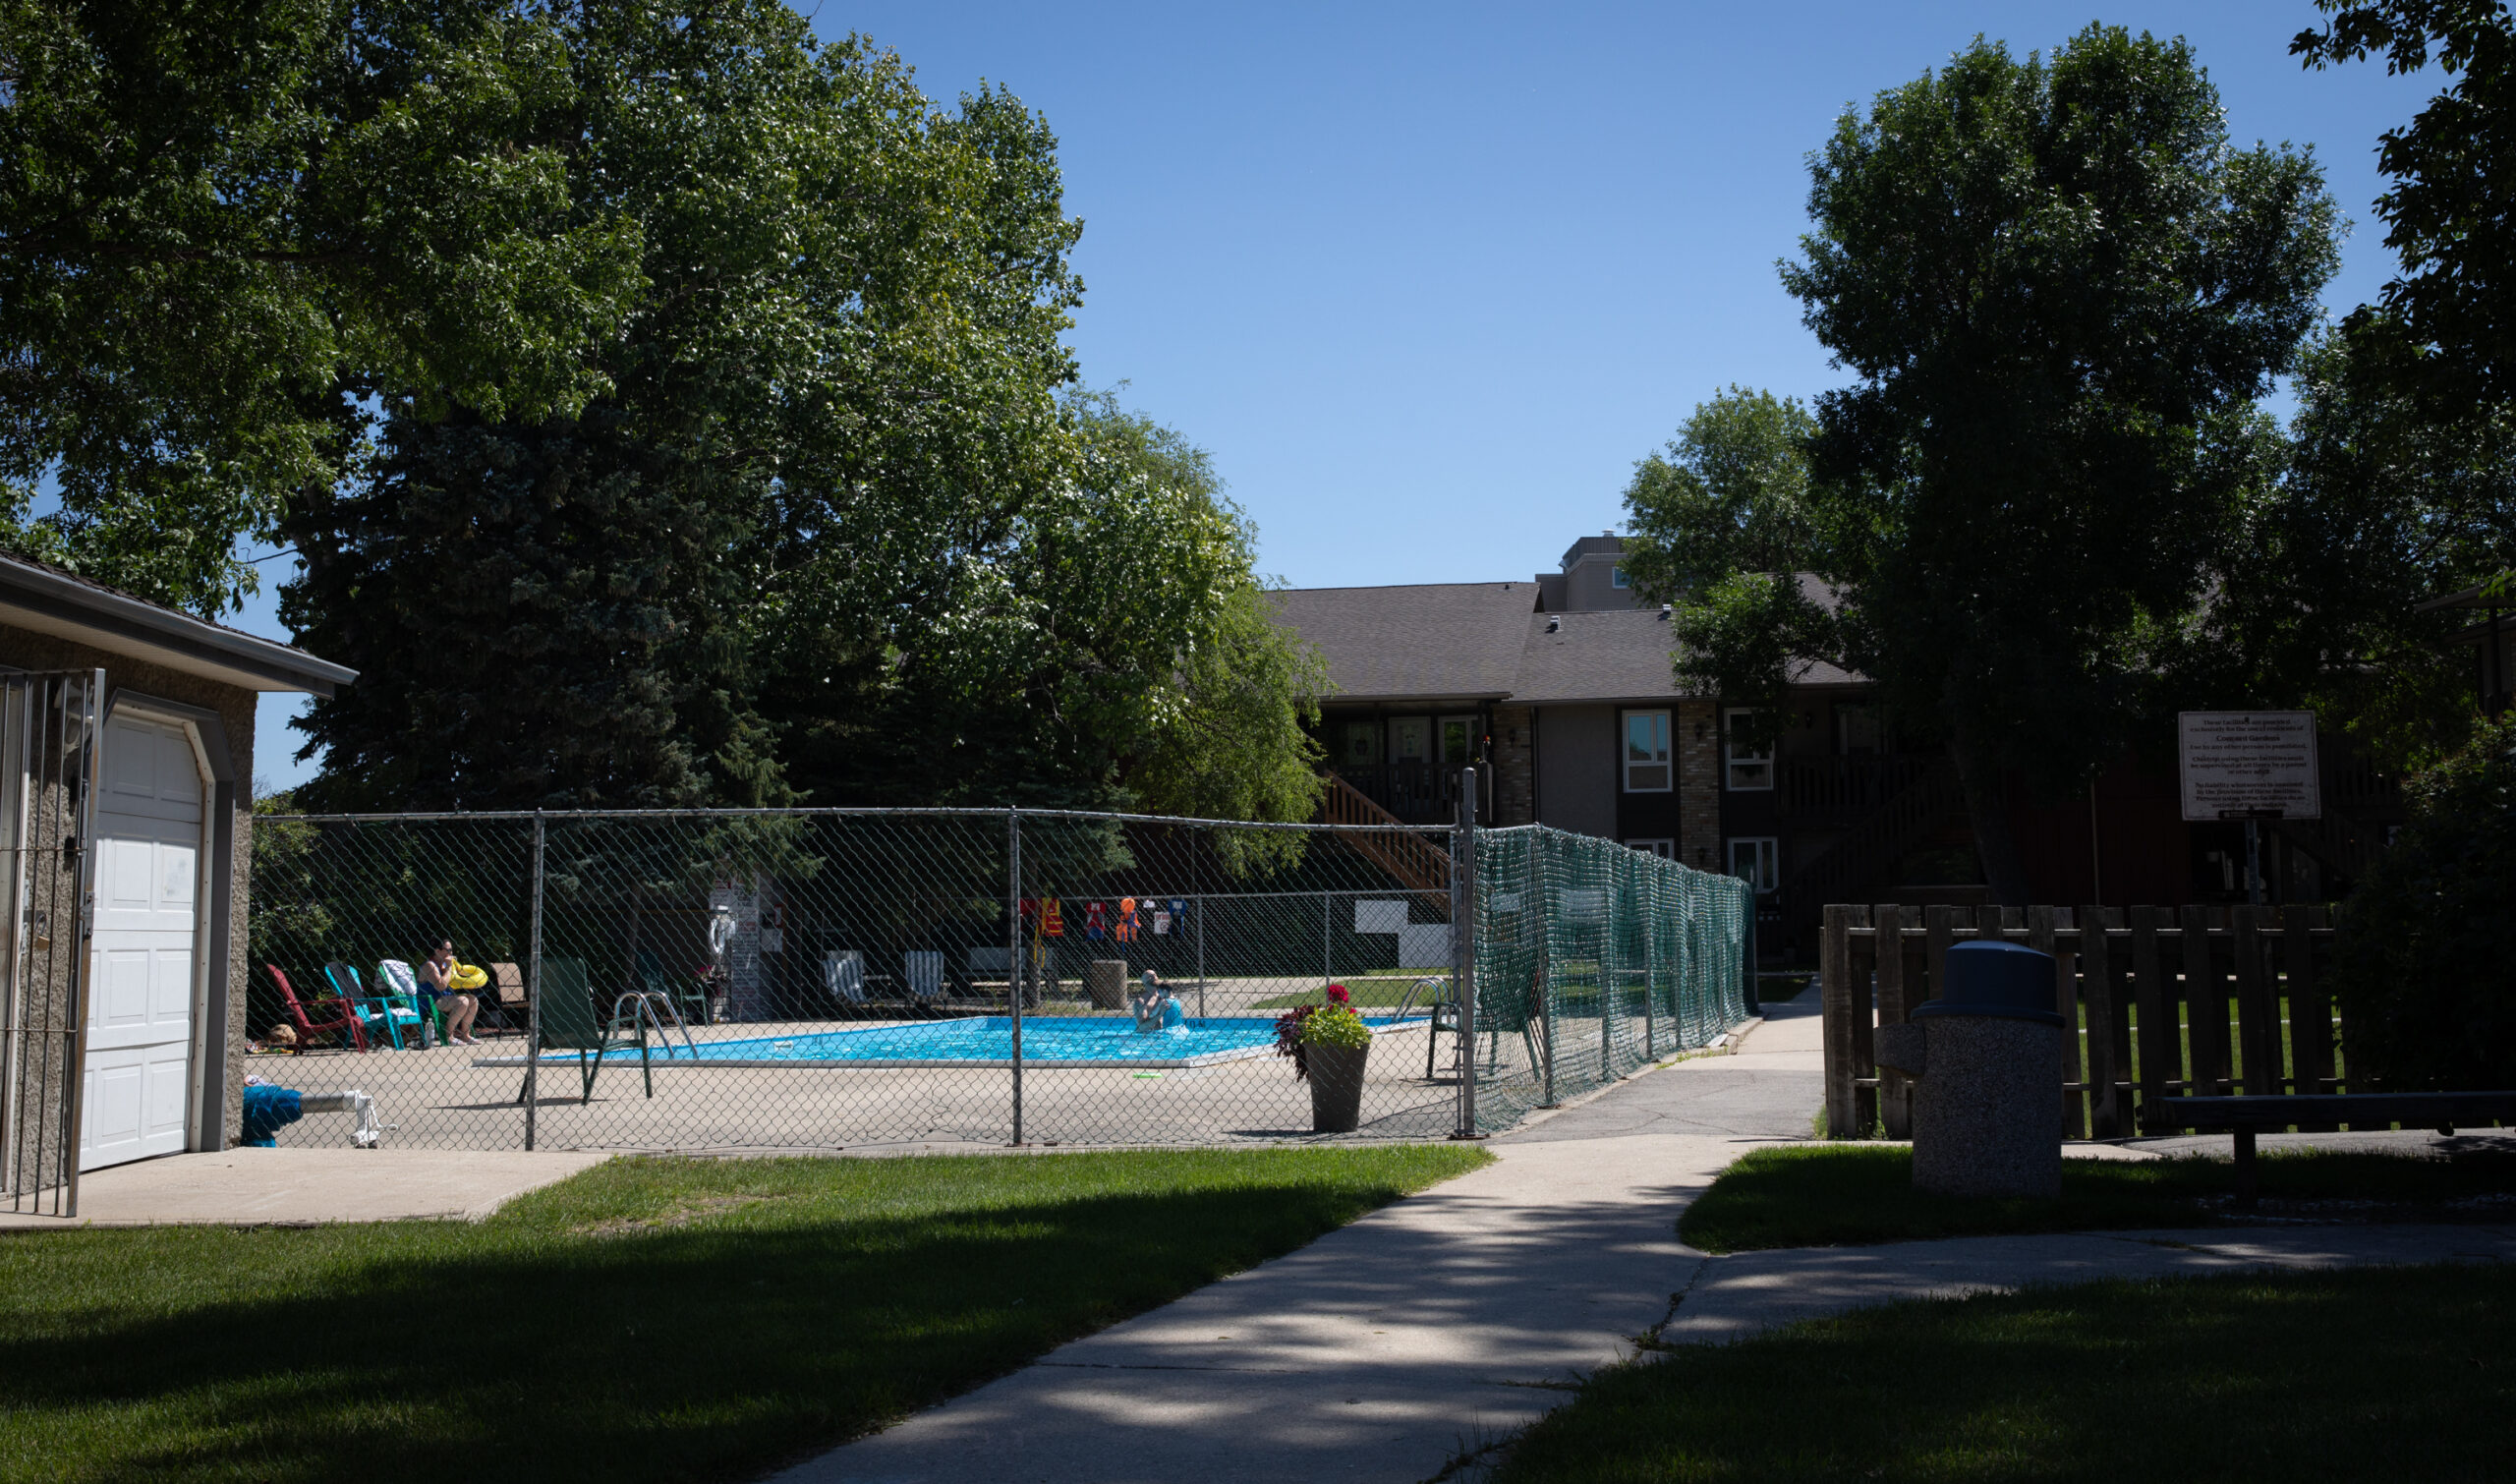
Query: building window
point(1666, 850)
point(1744, 769)
point(1616, 577)
point(1459, 741)
point(1758, 862)
point(1410, 739)
point(1646, 752)
point(1362, 744)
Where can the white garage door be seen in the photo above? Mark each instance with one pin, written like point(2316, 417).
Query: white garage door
point(140, 994)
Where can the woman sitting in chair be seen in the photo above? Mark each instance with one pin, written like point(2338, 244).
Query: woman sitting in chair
point(436, 976)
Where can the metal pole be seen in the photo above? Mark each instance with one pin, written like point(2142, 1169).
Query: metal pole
point(1201, 955)
point(1013, 953)
point(2253, 861)
point(1651, 965)
point(77, 812)
point(1463, 952)
point(532, 998)
point(1545, 983)
point(1327, 920)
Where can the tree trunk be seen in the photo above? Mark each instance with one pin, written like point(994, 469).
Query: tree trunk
point(1987, 811)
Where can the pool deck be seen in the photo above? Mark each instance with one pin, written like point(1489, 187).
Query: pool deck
point(295, 1187)
point(446, 1098)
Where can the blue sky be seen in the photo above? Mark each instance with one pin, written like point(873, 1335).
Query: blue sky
point(1428, 279)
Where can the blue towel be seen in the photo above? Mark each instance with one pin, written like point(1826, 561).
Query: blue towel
point(1172, 1014)
point(267, 1111)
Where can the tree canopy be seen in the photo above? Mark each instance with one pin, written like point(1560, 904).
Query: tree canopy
point(665, 408)
point(2060, 289)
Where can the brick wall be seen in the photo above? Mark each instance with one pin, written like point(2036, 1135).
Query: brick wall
point(1698, 747)
point(1514, 770)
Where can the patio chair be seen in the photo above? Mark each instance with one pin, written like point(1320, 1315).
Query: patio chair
point(504, 997)
point(372, 1010)
point(395, 976)
point(568, 1024)
point(689, 996)
point(348, 1029)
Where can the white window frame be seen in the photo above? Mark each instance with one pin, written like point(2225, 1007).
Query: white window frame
point(1732, 760)
point(1666, 761)
point(1616, 578)
point(1665, 849)
point(1764, 867)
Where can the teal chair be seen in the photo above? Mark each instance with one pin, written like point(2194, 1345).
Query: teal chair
point(375, 1012)
point(395, 976)
point(568, 1024)
point(690, 996)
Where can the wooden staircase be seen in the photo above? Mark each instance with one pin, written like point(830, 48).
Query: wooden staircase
point(1411, 858)
point(1862, 856)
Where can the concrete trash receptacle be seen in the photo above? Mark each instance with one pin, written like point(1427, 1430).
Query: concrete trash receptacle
point(1984, 1059)
point(1105, 981)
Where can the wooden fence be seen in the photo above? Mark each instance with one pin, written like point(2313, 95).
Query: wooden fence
point(2155, 1000)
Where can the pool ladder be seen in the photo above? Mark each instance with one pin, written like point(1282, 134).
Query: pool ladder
point(638, 1008)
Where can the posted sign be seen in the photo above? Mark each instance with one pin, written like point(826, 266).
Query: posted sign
point(2240, 763)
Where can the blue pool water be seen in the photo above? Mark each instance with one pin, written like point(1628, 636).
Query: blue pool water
point(985, 1041)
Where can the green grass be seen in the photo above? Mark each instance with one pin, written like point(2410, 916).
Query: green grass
point(1374, 990)
point(648, 1320)
point(2399, 1373)
point(1848, 1194)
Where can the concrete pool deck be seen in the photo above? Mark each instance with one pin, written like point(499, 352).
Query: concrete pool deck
point(265, 1187)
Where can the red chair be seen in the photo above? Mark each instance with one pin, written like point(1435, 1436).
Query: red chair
point(309, 1028)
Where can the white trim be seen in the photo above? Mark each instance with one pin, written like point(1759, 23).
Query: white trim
point(1665, 762)
point(1766, 874)
point(1732, 761)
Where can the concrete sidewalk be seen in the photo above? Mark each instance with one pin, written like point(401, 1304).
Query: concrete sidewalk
point(1742, 1294)
point(253, 1187)
point(1383, 1349)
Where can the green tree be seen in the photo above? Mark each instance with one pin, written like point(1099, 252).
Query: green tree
point(2421, 969)
point(1722, 525)
point(841, 369)
point(224, 225)
point(2450, 211)
point(2378, 506)
point(2060, 289)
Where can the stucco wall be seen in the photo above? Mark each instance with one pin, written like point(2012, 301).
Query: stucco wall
point(234, 706)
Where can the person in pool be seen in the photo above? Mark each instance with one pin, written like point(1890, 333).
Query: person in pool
point(436, 980)
point(1154, 1009)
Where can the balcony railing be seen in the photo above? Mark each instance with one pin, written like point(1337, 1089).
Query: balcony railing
point(1845, 787)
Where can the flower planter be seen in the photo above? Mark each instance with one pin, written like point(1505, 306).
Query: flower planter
point(1336, 1086)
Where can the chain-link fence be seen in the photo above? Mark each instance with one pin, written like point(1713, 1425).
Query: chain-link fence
point(826, 979)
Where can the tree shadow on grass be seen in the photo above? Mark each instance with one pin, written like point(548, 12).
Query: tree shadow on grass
point(712, 1349)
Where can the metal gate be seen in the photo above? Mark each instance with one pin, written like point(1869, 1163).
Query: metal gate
point(49, 737)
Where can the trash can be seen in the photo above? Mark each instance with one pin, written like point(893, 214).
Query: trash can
point(1984, 1059)
point(1105, 980)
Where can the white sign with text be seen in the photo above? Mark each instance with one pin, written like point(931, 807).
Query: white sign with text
point(2237, 762)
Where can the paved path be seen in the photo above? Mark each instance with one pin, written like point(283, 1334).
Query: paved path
point(1746, 1291)
point(298, 1187)
point(1377, 1351)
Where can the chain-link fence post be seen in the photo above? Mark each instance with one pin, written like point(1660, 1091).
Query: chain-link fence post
point(533, 995)
point(1464, 949)
point(1013, 954)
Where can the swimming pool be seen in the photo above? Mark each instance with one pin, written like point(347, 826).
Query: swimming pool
point(982, 1041)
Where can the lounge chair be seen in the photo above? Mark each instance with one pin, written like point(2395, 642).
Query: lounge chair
point(504, 998)
point(372, 1010)
point(568, 1024)
point(688, 997)
point(348, 1029)
point(396, 977)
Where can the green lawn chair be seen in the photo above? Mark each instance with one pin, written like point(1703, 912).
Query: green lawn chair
point(568, 1024)
point(689, 993)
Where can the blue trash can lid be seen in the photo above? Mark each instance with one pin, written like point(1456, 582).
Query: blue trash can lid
point(2005, 980)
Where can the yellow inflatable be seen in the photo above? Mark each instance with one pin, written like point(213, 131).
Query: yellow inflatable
point(467, 977)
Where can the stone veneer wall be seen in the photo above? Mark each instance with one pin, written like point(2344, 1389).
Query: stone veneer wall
point(1515, 766)
point(1698, 745)
point(235, 705)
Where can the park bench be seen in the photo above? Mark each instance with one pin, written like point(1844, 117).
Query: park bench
point(2245, 1117)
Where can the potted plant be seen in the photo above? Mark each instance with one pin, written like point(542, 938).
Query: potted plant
point(1327, 1043)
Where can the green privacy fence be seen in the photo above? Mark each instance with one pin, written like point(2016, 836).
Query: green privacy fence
point(1594, 960)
